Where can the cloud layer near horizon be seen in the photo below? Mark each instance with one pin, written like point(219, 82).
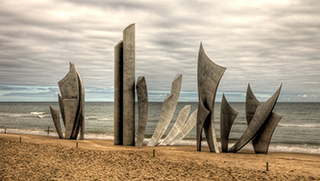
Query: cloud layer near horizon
point(264, 43)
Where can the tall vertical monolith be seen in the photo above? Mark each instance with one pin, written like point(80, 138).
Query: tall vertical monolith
point(124, 100)
point(129, 86)
point(118, 89)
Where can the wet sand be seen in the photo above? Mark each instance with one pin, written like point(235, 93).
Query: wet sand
point(50, 158)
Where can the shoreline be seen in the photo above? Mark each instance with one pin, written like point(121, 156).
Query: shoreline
point(274, 147)
point(100, 159)
point(54, 139)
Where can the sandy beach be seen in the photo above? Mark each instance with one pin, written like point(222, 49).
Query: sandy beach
point(49, 158)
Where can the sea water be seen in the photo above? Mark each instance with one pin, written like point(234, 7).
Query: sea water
point(297, 131)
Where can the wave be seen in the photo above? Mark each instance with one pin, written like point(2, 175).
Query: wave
point(300, 125)
point(14, 114)
point(314, 149)
point(295, 148)
point(98, 136)
point(31, 114)
point(105, 119)
point(37, 113)
point(40, 114)
point(91, 118)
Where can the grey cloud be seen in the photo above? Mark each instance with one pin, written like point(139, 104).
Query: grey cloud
point(265, 44)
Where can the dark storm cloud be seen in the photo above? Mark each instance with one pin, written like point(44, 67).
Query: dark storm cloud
point(265, 43)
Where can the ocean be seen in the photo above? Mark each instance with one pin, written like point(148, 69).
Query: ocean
point(297, 131)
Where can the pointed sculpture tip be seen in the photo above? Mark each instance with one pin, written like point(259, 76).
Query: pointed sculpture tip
point(178, 76)
point(201, 50)
point(280, 87)
point(71, 66)
point(201, 46)
point(249, 88)
point(140, 79)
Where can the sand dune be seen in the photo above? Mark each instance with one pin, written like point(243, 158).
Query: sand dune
point(50, 158)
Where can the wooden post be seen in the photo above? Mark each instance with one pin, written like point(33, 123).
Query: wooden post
point(77, 145)
point(154, 153)
point(267, 165)
point(5, 130)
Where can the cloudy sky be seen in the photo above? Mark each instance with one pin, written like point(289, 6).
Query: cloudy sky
point(264, 43)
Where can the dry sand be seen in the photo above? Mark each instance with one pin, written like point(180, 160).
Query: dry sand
point(50, 158)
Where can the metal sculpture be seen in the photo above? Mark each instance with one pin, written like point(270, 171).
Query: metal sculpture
point(176, 128)
point(261, 114)
point(56, 120)
point(261, 141)
point(227, 117)
point(209, 76)
point(187, 127)
point(167, 110)
point(71, 103)
point(124, 89)
point(142, 94)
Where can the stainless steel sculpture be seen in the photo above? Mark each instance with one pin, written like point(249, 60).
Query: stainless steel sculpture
point(62, 110)
point(71, 103)
point(261, 114)
point(227, 117)
point(167, 110)
point(187, 127)
point(209, 75)
point(261, 141)
point(118, 89)
point(56, 120)
point(164, 115)
point(176, 128)
point(142, 94)
point(124, 88)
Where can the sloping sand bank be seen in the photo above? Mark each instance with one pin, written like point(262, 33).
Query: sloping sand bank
point(50, 158)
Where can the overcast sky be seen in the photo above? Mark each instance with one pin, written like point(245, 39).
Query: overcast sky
point(264, 43)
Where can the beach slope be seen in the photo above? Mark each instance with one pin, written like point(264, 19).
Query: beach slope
point(51, 158)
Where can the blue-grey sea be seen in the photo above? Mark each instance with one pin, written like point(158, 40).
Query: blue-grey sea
point(297, 131)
